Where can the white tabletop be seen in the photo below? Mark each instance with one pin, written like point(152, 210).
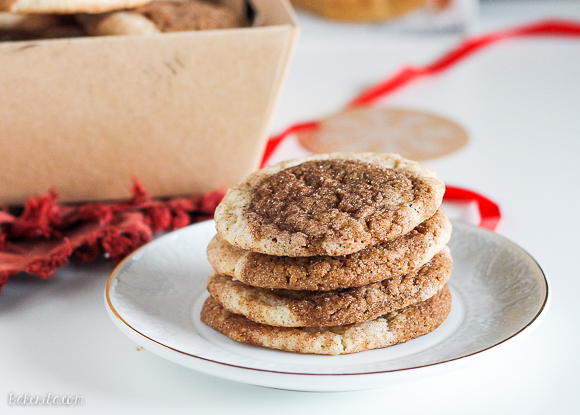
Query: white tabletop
point(520, 101)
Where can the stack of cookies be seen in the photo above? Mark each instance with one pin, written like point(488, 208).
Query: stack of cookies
point(331, 254)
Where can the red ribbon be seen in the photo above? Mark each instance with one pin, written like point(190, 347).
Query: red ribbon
point(489, 210)
point(465, 48)
point(276, 140)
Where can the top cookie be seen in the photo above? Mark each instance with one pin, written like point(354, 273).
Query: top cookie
point(329, 204)
point(67, 6)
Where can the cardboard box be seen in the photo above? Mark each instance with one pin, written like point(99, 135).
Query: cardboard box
point(184, 112)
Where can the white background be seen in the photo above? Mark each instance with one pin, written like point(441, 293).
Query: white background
point(520, 101)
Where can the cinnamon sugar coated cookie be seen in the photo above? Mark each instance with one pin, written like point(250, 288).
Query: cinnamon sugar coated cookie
point(379, 262)
point(177, 16)
point(160, 17)
point(28, 23)
point(333, 204)
point(331, 308)
point(67, 6)
point(360, 11)
point(15, 26)
point(390, 329)
point(117, 24)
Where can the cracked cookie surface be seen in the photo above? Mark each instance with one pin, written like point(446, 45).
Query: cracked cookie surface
point(332, 204)
point(379, 262)
point(287, 308)
point(387, 330)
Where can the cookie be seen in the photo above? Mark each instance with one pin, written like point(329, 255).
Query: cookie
point(27, 23)
point(418, 135)
point(385, 260)
point(117, 23)
point(390, 329)
point(160, 16)
point(61, 31)
point(177, 16)
point(360, 11)
point(287, 308)
point(15, 27)
point(67, 6)
point(330, 204)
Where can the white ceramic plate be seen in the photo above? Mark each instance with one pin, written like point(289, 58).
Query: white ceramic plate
point(155, 295)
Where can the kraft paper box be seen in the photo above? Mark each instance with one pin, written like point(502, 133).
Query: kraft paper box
point(184, 112)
